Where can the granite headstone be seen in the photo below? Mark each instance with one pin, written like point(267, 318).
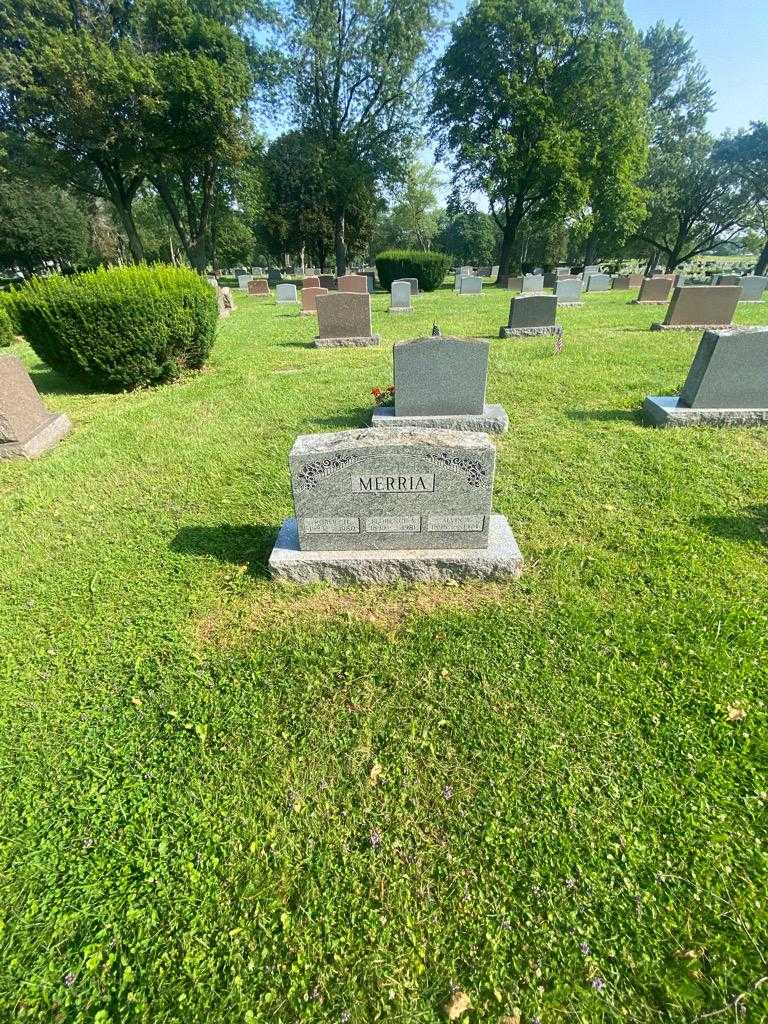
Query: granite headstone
point(752, 288)
point(700, 306)
point(285, 294)
point(533, 282)
point(568, 291)
point(598, 282)
point(654, 290)
point(344, 320)
point(400, 297)
point(27, 428)
point(309, 297)
point(531, 315)
point(470, 285)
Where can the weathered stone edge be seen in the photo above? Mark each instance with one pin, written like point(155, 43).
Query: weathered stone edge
point(662, 414)
point(42, 440)
point(493, 419)
point(529, 332)
point(502, 559)
point(690, 327)
point(357, 342)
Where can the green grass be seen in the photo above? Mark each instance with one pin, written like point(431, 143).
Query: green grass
point(189, 828)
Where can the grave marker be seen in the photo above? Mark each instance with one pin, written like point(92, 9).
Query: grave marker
point(309, 297)
point(533, 282)
point(654, 291)
point(259, 287)
point(598, 282)
point(286, 294)
point(27, 428)
point(752, 288)
point(470, 285)
point(700, 306)
point(352, 284)
point(530, 316)
point(568, 291)
point(344, 320)
point(400, 297)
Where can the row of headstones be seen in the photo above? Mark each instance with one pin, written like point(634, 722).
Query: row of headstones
point(347, 282)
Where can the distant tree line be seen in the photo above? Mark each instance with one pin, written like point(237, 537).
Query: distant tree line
point(129, 133)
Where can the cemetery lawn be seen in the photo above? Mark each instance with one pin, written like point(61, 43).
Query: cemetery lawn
point(225, 800)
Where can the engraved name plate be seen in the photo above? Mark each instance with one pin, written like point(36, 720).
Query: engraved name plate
point(332, 524)
point(455, 524)
point(393, 524)
point(393, 483)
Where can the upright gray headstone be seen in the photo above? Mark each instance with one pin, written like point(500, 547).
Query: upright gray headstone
point(380, 505)
point(285, 294)
point(531, 315)
point(414, 283)
point(533, 282)
point(752, 288)
point(243, 280)
point(598, 282)
point(654, 291)
point(27, 428)
point(728, 279)
point(344, 320)
point(700, 306)
point(727, 383)
point(467, 271)
point(470, 285)
point(400, 297)
point(568, 292)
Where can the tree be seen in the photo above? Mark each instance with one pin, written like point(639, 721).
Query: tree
point(357, 72)
point(530, 96)
point(38, 225)
point(746, 156)
point(469, 236)
point(413, 216)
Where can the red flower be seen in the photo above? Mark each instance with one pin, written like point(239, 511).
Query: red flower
point(376, 392)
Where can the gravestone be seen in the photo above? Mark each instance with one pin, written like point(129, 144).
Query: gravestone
point(654, 291)
point(568, 291)
point(457, 282)
point(678, 280)
point(285, 294)
point(593, 269)
point(274, 277)
point(27, 428)
point(400, 297)
point(598, 282)
point(530, 316)
point(562, 271)
point(259, 287)
point(495, 270)
point(621, 282)
point(225, 302)
point(309, 297)
point(700, 306)
point(484, 271)
point(344, 320)
point(328, 281)
point(370, 280)
point(727, 384)
point(243, 280)
point(311, 281)
point(413, 282)
point(550, 279)
point(533, 282)
point(728, 279)
point(752, 288)
point(513, 284)
point(440, 382)
point(467, 271)
point(470, 285)
point(377, 506)
point(352, 284)
point(635, 280)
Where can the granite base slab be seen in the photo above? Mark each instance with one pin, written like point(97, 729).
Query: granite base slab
point(41, 441)
point(502, 559)
point(401, 309)
point(492, 420)
point(691, 327)
point(649, 302)
point(529, 332)
point(666, 411)
point(566, 305)
point(366, 339)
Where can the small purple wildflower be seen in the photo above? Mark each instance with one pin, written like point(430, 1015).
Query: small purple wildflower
point(585, 948)
point(375, 840)
point(598, 984)
point(447, 792)
point(69, 979)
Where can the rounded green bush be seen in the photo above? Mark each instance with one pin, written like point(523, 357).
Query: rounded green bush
point(120, 329)
point(7, 333)
point(429, 268)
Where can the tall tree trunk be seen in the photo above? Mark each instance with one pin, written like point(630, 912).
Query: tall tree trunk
point(508, 237)
point(650, 265)
point(340, 244)
point(762, 264)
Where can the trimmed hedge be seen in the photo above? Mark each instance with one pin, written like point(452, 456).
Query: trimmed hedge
point(429, 268)
point(7, 333)
point(120, 329)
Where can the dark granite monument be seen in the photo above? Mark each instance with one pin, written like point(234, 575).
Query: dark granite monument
point(727, 384)
point(27, 428)
point(376, 506)
point(654, 291)
point(531, 315)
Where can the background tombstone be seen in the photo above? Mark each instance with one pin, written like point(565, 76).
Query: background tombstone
point(728, 279)
point(620, 282)
point(352, 284)
point(243, 280)
point(328, 281)
point(259, 287)
point(370, 278)
point(311, 281)
point(414, 283)
point(752, 288)
point(440, 382)
point(700, 306)
point(376, 506)
point(592, 269)
point(225, 302)
point(467, 271)
point(654, 291)
point(513, 284)
point(562, 271)
point(533, 283)
point(309, 297)
point(598, 282)
point(550, 279)
point(285, 294)
point(495, 270)
point(344, 320)
point(400, 297)
point(530, 316)
point(274, 277)
point(568, 292)
point(727, 384)
point(483, 271)
point(635, 280)
point(470, 285)
point(27, 428)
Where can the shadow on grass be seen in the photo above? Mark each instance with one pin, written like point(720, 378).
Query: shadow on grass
point(349, 419)
point(240, 545)
point(751, 526)
point(51, 382)
point(608, 415)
